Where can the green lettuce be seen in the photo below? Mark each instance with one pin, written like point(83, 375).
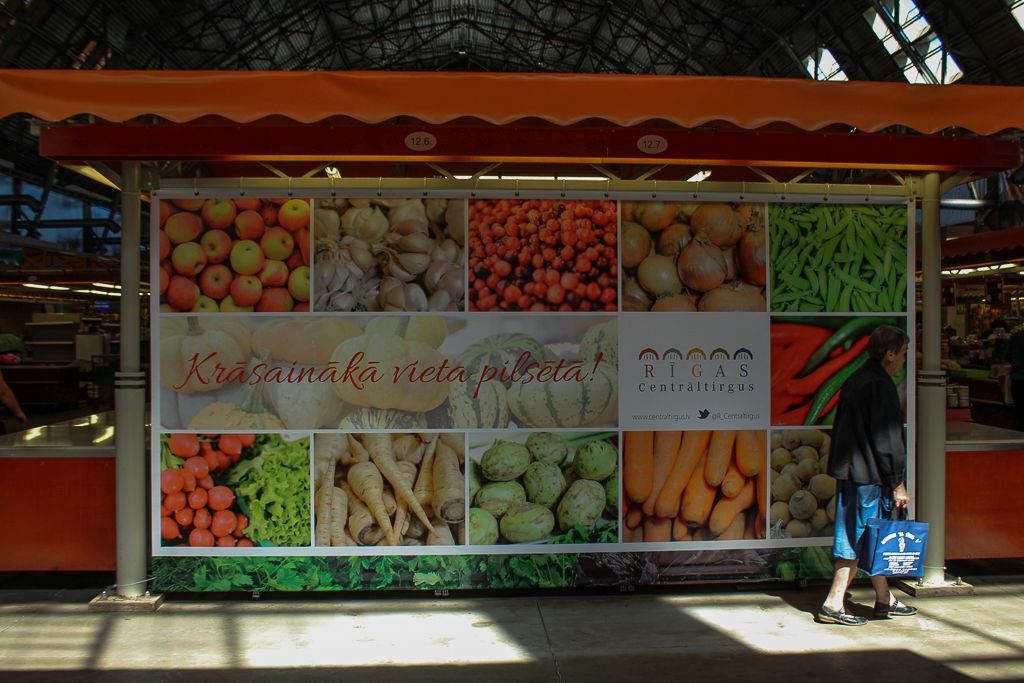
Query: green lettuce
point(274, 486)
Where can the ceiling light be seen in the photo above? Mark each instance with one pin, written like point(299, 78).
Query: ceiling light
point(332, 172)
point(104, 284)
point(33, 285)
point(699, 176)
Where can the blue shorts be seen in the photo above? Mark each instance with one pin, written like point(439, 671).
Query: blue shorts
point(855, 505)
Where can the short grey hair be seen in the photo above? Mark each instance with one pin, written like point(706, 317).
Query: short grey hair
point(884, 339)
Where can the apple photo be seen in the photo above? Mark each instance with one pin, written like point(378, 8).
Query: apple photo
point(234, 254)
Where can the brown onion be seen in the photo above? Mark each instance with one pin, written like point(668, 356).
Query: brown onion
point(636, 244)
point(657, 275)
point(676, 302)
point(673, 238)
point(701, 265)
point(751, 256)
point(730, 264)
point(627, 212)
point(719, 222)
point(732, 298)
point(632, 289)
point(655, 216)
point(631, 305)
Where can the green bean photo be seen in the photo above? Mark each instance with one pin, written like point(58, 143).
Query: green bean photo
point(837, 258)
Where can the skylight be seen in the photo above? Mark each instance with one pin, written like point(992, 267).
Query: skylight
point(913, 43)
point(1017, 10)
point(823, 66)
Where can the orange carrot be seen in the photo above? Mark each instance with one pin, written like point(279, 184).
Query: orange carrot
point(657, 529)
point(634, 517)
point(633, 535)
point(666, 447)
point(698, 497)
point(680, 532)
point(750, 529)
point(728, 509)
point(751, 451)
point(638, 465)
point(734, 532)
point(719, 456)
point(691, 451)
point(733, 482)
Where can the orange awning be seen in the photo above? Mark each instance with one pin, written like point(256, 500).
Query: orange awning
point(562, 99)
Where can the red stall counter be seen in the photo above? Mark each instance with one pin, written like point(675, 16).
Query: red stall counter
point(984, 503)
point(57, 511)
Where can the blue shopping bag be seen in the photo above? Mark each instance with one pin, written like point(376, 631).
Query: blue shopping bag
point(893, 547)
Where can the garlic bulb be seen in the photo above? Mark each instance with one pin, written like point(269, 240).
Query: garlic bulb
point(435, 209)
point(455, 217)
point(367, 224)
point(326, 223)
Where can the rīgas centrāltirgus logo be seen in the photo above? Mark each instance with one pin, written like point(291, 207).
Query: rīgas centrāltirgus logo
point(696, 371)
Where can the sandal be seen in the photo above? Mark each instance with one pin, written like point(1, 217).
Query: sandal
point(841, 617)
point(894, 609)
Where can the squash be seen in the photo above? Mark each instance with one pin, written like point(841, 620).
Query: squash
point(179, 342)
point(496, 350)
point(246, 414)
point(566, 404)
point(488, 410)
point(303, 340)
point(389, 420)
point(391, 353)
point(604, 339)
point(302, 405)
point(429, 329)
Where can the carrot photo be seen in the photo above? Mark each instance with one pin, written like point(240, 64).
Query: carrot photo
point(694, 486)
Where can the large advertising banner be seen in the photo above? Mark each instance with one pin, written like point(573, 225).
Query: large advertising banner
point(371, 393)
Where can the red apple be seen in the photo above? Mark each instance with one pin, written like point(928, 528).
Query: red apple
point(246, 290)
point(205, 305)
point(219, 214)
point(189, 204)
point(244, 204)
point(294, 215)
point(269, 213)
point(182, 293)
point(277, 243)
point(183, 227)
point(249, 225)
point(246, 257)
point(298, 283)
point(165, 246)
point(166, 209)
point(188, 259)
point(275, 300)
point(278, 200)
point(301, 308)
point(165, 278)
point(215, 281)
point(295, 260)
point(228, 304)
point(303, 242)
point(217, 245)
point(274, 273)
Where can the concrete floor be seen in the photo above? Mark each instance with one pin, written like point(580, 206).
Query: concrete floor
point(715, 635)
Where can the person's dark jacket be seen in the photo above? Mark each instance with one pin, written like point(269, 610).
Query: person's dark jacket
point(867, 441)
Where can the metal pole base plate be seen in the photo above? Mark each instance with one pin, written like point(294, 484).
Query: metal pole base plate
point(111, 602)
point(950, 586)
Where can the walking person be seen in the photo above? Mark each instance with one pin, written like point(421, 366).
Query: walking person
point(868, 458)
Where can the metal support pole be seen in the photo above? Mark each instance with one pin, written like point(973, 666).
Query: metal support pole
point(931, 382)
point(130, 397)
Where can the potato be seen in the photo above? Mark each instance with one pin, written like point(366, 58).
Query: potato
point(823, 463)
point(785, 486)
point(780, 458)
point(812, 437)
point(823, 486)
point(826, 442)
point(790, 469)
point(774, 475)
point(831, 509)
point(805, 453)
point(798, 528)
point(819, 520)
point(806, 469)
point(780, 512)
point(802, 504)
point(776, 440)
point(790, 439)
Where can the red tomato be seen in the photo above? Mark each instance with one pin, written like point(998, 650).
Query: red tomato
point(200, 538)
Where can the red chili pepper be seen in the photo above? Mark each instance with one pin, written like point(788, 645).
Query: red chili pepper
point(792, 333)
point(811, 383)
point(832, 403)
point(783, 402)
point(793, 417)
point(794, 359)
